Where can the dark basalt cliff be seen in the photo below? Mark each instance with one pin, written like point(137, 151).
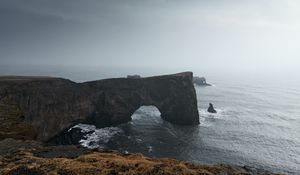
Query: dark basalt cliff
point(42, 107)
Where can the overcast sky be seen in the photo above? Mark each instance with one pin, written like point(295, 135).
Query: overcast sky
point(208, 35)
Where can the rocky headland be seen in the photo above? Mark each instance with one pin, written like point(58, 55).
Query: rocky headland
point(34, 110)
point(40, 108)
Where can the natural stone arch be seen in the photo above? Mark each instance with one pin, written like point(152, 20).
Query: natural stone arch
point(143, 110)
point(51, 105)
point(174, 96)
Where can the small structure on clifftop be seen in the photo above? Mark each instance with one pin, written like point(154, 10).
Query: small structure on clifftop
point(133, 76)
point(211, 108)
point(200, 81)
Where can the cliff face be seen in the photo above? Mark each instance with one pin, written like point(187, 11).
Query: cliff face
point(41, 107)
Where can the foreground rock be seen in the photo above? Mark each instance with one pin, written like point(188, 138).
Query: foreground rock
point(19, 158)
point(42, 107)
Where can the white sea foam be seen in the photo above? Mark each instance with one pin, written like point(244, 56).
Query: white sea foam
point(150, 149)
point(97, 137)
point(84, 128)
point(206, 116)
point(220, 113)
point(138, 140)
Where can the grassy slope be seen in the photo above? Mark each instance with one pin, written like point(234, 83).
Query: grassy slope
point(29, 157)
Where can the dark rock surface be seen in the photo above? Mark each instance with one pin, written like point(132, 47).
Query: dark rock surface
point(41, 107)
point(68, 137)
point(211, 109)
point(200, 81)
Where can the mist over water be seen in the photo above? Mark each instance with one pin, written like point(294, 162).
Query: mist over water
point(249, 51)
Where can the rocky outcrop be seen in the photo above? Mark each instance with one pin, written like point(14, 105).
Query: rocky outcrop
point(211, 108)
point(200, 81)
point(42, 107)
point(30, 157)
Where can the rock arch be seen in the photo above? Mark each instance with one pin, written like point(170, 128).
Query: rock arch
point(148, 110)
point(173, 95)
point(51, 105)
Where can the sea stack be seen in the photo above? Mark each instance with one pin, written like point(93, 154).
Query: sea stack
point(200, 81)
point(211, 108)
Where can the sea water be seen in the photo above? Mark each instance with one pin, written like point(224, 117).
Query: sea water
point(257, 124)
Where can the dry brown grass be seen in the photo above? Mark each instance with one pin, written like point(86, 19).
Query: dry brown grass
point(108, 163)
point(12, 123)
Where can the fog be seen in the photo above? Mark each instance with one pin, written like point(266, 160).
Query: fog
point(259, 37)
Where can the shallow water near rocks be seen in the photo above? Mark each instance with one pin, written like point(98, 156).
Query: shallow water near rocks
point(256, 125)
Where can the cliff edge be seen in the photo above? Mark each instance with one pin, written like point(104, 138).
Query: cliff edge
point(42, 107)
point(31, 157)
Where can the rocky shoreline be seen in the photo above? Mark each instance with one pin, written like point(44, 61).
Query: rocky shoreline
point(41, 108)
point(36, 110)
point(34, 158)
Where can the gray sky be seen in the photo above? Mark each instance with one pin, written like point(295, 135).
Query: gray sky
point(208, 35)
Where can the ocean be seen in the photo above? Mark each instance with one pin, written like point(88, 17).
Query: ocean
point(257, 124)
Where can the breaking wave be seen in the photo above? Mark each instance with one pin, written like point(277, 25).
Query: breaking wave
point(94, 137)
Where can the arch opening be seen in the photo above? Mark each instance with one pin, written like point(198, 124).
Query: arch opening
point(146, 112)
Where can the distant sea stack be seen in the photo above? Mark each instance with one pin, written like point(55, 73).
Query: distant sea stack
point(200, 81)
point(40, 108)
